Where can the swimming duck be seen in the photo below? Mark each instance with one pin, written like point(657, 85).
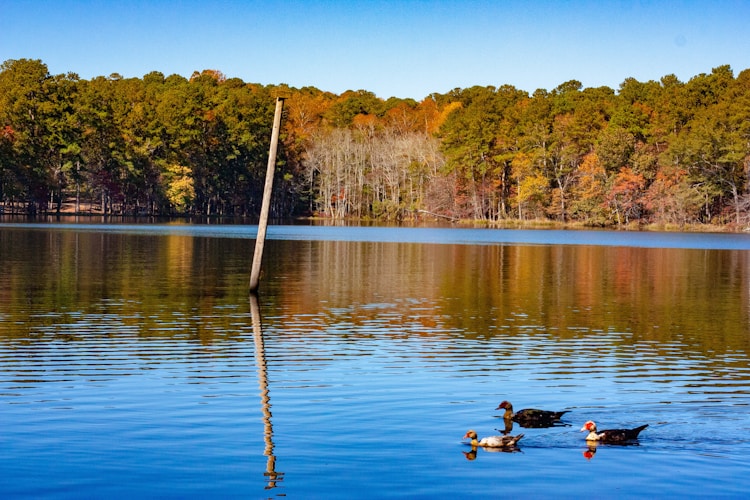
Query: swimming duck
point(493, 441)
point(531, 417)
point(611, 435)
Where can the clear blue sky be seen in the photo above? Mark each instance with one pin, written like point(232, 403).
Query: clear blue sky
point(392, 48)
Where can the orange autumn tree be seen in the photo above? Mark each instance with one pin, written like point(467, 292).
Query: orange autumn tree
point(625, 194)
point(672, 199)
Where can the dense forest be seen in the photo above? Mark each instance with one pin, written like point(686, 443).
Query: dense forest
point(669, 153)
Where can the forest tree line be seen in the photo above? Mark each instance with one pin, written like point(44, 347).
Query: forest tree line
point(660, 152)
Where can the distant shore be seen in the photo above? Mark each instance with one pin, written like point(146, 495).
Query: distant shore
point(92, 210)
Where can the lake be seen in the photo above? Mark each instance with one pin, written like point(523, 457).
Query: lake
point(134, 364)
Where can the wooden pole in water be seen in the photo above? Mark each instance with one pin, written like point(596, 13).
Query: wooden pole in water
point(265, 207)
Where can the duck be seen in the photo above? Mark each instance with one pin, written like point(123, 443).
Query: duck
point(493, 441)
point(531, 417)
point(611, 435)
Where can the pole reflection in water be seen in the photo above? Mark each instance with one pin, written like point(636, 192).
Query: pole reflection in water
point(265, 399)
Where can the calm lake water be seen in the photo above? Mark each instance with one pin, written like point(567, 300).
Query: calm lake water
point(133, 363)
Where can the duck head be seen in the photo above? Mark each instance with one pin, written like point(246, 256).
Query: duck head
point(470, 435)
point(505, 405)
point(589, 426)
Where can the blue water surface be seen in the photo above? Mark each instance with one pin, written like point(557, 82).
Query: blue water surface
point(134, 364)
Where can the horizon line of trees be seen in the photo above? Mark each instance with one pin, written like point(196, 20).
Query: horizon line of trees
point(666, 152)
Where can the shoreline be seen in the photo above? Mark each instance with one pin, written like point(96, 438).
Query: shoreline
point(540, 224)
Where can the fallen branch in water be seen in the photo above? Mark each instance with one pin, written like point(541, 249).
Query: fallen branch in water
point(452, 219)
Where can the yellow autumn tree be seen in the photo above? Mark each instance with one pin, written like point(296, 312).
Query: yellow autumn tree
point(180, 190)
point(532, 187)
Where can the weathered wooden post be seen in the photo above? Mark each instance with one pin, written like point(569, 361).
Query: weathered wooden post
point(266, 205)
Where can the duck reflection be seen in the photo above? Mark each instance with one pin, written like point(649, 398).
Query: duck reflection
point(508, 427)
point(590, 451)
point(509, 424)
point(593, 446)
point(265, 399)
point(472, 455)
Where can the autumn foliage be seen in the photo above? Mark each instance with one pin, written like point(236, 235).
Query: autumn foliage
point(666, 152)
